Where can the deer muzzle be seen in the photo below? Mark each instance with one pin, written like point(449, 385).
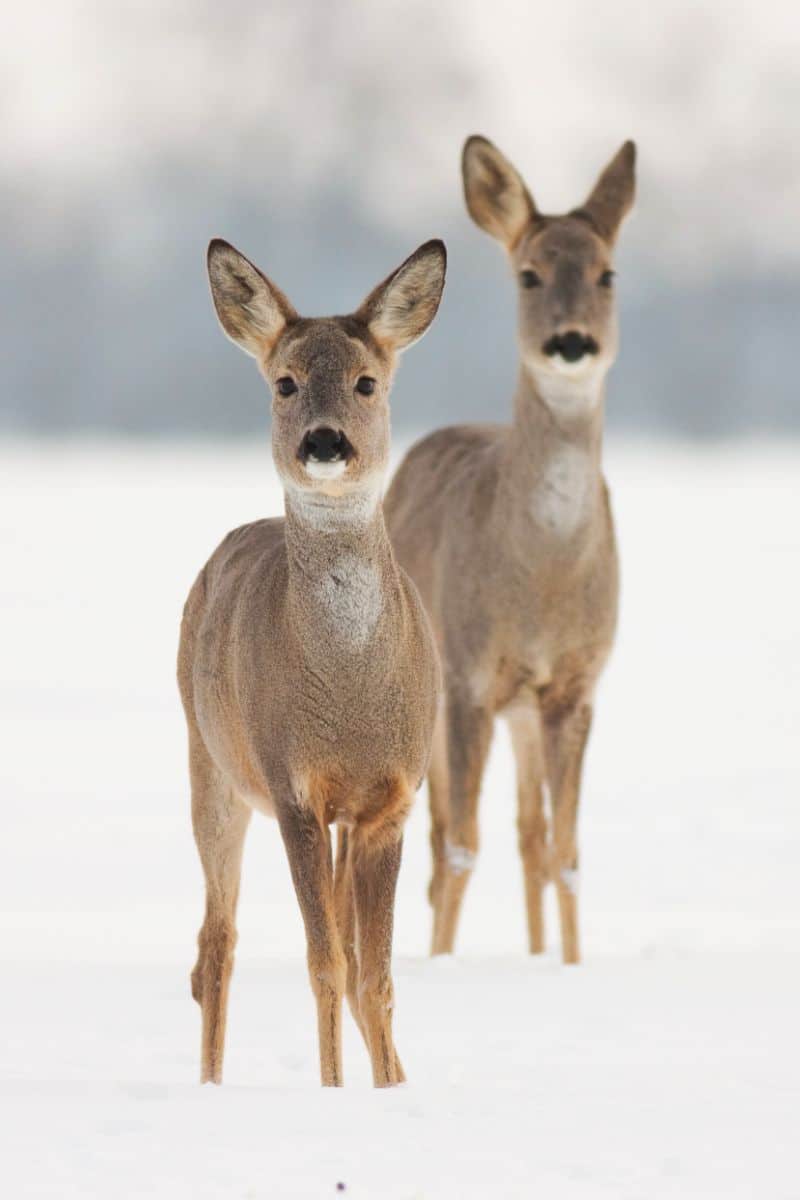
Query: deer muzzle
point(325, 445)
point(571, 346)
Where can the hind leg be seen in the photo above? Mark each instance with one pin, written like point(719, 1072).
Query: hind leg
point(219, 820)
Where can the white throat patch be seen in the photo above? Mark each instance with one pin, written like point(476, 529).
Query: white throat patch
point(351, 597)
point(561, 497)
point(327, 514)
point(571, 388)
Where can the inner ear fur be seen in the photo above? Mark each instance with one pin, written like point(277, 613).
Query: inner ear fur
point(613, 195)
point(252, 311)
point(399, 310)
point(496, 195)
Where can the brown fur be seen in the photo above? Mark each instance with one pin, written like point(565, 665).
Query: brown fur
point(307, 668)
point(507, 532)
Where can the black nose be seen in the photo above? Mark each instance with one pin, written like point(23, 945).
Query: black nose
point(571, 345)
point(324, 445)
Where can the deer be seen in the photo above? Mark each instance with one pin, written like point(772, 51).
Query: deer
point(307, 668)
point(508, 533)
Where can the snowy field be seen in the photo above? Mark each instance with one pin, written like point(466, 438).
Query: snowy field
point(668, 1065)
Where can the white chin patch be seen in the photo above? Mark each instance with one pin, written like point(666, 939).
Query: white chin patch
point(326, 470)
point(582, 366)
point(570, 387)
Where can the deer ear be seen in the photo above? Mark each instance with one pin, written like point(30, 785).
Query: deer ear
point(496, 195)
point(399, 310)
point(613, 194)
point(251, 310)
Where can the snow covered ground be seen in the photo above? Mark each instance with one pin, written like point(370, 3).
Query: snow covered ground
point(668, 1065)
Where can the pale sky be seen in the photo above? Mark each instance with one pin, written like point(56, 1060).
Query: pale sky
point(380, 96)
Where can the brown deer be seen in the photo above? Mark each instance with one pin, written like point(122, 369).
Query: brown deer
point(307, 668)
point(507, 532)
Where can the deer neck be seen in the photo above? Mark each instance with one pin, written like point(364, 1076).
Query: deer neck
point(340, 567)
point(554, 472)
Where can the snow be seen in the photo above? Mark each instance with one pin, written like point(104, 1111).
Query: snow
point(665, 1066)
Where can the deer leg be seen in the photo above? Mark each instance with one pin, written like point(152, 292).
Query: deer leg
point(469, 732)
point(346, 921)
point(375, 866)
point(526, 739)
point(566, 735)
point(308, 846)
point(220, 821)
point(437, 797)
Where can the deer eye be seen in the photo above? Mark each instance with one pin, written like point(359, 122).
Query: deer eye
point(286, 385)
point(606, 279)
point(365, 385)
point(529, 279)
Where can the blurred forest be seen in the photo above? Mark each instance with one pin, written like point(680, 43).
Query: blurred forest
point(324, 138)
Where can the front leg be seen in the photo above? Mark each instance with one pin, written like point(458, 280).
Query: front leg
point(346, 921)
point(375, 866)
point(524, 724)
point(469, 734)
point(566, 734)
point(346, 917)
point(308, 846)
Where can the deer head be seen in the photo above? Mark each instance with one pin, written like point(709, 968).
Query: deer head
point(330, 377)
point(563, 265)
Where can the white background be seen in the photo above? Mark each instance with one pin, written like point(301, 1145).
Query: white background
point(666, 1065)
